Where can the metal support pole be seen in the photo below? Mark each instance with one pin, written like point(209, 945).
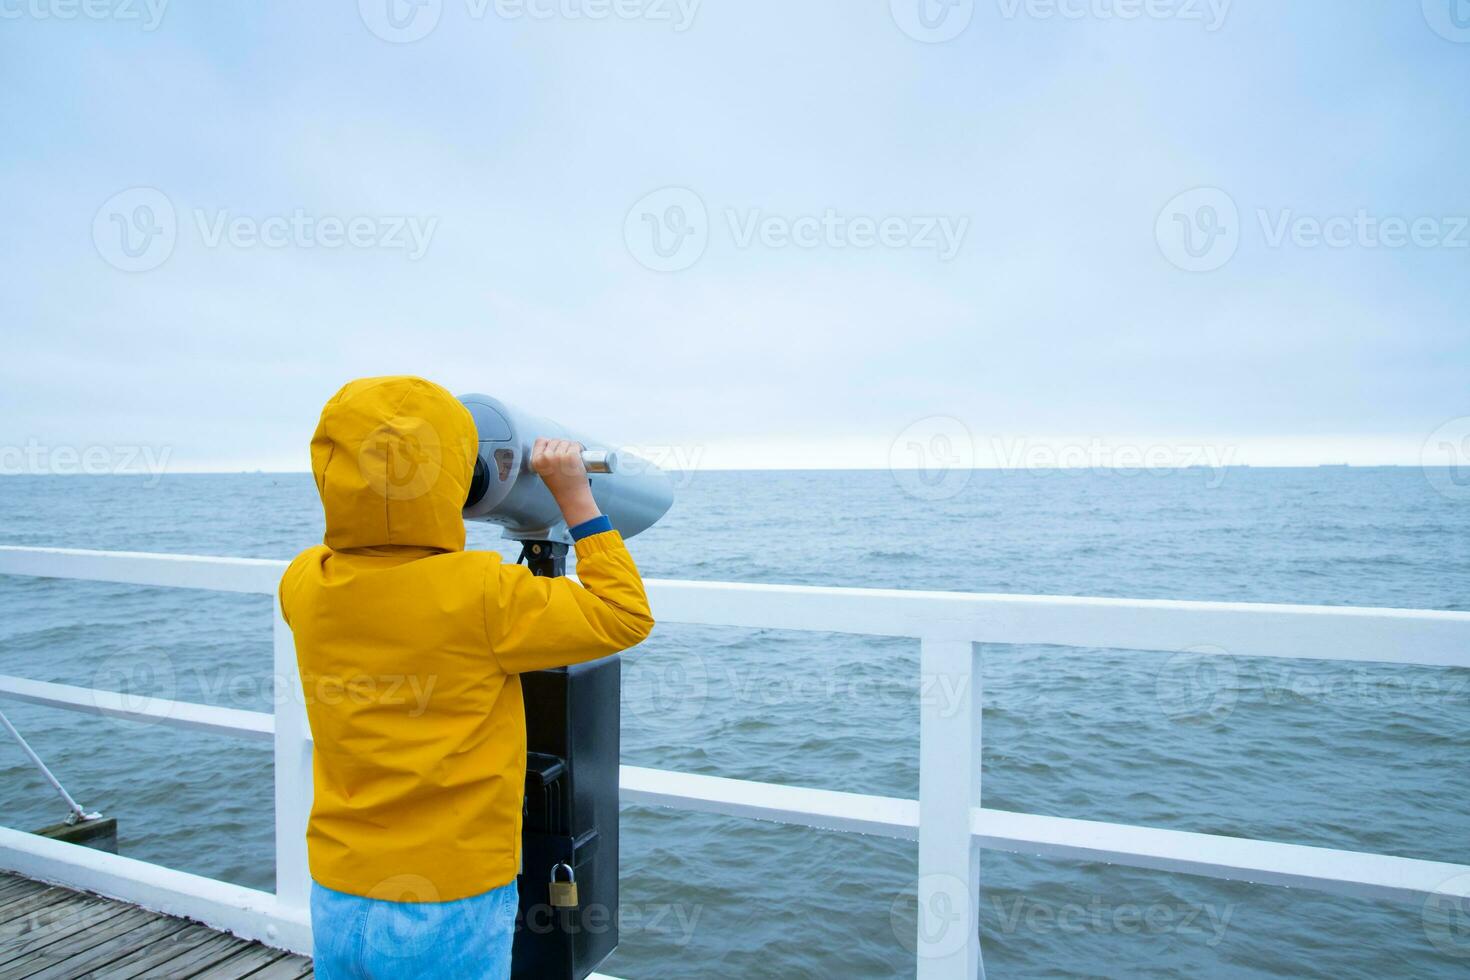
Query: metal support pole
point(547, 559)
point(77, 813)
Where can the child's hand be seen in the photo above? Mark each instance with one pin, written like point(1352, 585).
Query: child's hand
point(559, 464)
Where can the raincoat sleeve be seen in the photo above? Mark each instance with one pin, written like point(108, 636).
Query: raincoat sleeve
point(535, 623)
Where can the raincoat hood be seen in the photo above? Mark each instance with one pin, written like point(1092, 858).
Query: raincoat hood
point(393, 458)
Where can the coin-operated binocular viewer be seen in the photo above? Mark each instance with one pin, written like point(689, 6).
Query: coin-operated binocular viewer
point(567, 923)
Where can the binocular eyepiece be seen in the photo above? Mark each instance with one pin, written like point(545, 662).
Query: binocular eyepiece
point(630, 490)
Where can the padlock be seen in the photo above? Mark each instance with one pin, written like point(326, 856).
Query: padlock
point(563, 893)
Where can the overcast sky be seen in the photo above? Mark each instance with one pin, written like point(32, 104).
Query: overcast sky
point(764, 232)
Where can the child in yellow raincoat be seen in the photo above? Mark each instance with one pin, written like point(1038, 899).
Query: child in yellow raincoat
point(409, 649)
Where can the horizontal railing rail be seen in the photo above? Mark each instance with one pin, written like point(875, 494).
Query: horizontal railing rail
point(1353, 633)
point(947, 819)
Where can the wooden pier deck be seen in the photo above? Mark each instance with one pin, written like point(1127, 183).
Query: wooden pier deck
point(52, 933)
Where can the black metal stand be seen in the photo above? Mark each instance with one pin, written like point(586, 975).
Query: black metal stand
point(547, 559)
point(571, 809)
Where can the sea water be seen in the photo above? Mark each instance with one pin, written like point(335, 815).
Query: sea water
point(1361, 757)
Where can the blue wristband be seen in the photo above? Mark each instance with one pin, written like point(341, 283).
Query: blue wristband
point(597, 525)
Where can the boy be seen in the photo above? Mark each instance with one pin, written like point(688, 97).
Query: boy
point(409, 649)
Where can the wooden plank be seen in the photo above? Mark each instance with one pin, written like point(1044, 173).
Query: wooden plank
point(23, 903)
point(17, 892)
point(53, 933)
point(50, 914)
point(147, 959)
point(288, 967)
point(219, 947)
point(243, 964)
point(50, 947)
point(101, 955)
point(38, 926)
point(12, 885)
point(245, 912)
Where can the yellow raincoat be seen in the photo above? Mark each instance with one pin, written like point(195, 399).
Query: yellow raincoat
point(410, 648)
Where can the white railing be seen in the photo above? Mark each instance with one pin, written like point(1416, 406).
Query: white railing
point(947, 820)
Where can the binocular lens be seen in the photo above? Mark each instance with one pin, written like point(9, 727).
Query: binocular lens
point(479, 482)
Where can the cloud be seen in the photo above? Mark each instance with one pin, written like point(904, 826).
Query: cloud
point(527, 141)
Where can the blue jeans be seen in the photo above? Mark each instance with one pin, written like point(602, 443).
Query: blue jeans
point(356, 938)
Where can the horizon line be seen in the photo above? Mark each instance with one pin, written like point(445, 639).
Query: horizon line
point(827, 469)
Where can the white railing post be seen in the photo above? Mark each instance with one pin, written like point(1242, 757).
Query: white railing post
point(293, 772)
point(949, 789)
